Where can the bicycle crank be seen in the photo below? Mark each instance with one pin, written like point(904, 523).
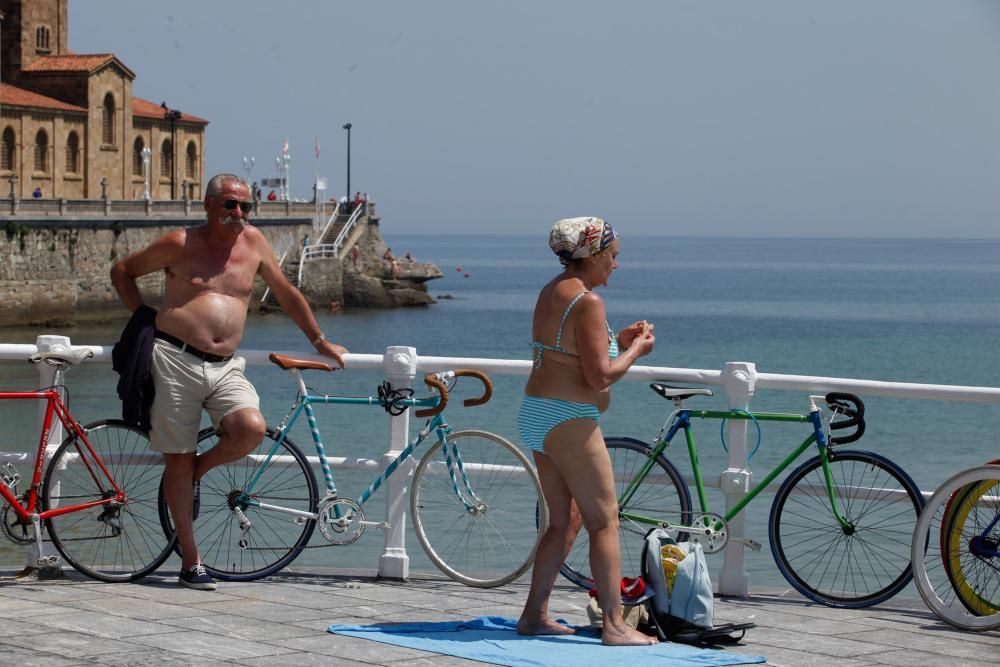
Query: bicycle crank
point(341, 520)
point(14, 529)
point(710, 531)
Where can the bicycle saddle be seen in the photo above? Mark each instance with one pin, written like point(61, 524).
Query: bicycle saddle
point(63, 356)
point(286, 362)
point(677, 393)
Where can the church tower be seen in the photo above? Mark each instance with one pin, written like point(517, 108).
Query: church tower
point(31, 29)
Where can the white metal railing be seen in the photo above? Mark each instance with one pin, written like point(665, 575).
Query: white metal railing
point(400, 365)
point(329, 223)
point(320, 250)
point(339, 241)
point(281, 263)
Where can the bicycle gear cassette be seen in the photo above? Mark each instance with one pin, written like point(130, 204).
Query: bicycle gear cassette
point(341, 520)
point(14, 530)
point(710, 531)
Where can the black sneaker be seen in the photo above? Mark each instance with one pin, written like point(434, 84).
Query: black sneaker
point(197, 578)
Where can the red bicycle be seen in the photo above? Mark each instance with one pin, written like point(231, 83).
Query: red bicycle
point(98, 501)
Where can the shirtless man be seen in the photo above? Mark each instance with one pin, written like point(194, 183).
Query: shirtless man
point(209, 276)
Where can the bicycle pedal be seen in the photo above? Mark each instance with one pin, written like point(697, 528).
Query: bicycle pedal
point(754, 545)
point(46, 562)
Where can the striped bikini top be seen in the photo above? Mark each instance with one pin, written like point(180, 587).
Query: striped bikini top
point(537, 346)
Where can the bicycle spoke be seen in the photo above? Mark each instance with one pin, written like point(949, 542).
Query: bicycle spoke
point(860, 565)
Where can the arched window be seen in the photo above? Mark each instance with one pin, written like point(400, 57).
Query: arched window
point(137, 156)
point(166, 158)
point(42, 151)
point(191, 161)
point(7, 150)
point(73, 153)
point(42, 35)
point(108, 120)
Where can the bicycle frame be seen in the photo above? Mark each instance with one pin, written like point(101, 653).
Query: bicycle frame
point(56, 408)
point(681, 420)
point(304, 403)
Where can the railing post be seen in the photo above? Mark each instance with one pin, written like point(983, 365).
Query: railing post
point(400, 365)
point(738, 380)
point(46, 376)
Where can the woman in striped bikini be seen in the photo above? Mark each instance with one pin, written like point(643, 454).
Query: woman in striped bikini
point(577, 357)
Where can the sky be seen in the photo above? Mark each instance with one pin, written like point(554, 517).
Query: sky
point(811, 118)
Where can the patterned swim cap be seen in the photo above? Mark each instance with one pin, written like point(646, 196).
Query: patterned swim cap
point(575, 238)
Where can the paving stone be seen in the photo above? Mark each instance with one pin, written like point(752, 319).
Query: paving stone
point(106, 626)
point(69, 644)
point(303, 660)
point(208, 645)
point(24, 657)
point(241, 627)
point(257, 609)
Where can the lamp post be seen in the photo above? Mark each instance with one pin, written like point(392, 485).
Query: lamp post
point(146, 154)
point(172, 115)
point(347, 126)
point(283, 164)
point(248, 166)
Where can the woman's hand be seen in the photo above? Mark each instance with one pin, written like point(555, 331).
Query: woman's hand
point(627, 336)
point(644, 342)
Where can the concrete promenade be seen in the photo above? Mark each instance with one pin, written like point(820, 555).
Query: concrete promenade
point(282, 620)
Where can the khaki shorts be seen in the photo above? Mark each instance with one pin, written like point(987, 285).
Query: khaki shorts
point(185, 385)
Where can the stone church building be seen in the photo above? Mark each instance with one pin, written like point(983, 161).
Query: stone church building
point(69, 121)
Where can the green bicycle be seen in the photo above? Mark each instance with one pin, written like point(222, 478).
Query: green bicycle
point(840, 524)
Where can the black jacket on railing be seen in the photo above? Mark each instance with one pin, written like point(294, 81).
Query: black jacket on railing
point(131, 358)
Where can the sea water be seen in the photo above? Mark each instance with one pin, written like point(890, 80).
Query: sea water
point(894, 310)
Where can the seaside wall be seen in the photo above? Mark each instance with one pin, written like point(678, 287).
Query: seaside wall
point(56, 271)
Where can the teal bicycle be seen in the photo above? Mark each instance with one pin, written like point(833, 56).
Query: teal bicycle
point(840, 524)
point(473, 495)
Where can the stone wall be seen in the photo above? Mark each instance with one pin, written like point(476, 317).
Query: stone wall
point(57, 271)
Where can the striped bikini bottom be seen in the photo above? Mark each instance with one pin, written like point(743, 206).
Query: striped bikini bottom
point(538, 416)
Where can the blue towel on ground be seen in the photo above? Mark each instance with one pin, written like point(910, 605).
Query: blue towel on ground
point(494, 639)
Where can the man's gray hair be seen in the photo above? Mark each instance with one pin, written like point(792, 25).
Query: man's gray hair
point(216, 183)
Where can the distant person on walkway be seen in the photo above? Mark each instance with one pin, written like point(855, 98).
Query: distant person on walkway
point(271, 196)
point(37, 194)
point(577, 358)
point(358, 201)
point(208, 277)
point(355, 255)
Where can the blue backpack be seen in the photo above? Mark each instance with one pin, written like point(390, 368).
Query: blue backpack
point(683, 606)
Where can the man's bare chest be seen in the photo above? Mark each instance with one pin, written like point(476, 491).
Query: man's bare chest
point(231, 275)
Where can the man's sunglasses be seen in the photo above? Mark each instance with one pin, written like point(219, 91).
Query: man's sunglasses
point(245, 206)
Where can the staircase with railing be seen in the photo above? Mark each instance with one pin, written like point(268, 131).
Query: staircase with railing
point(337, 237)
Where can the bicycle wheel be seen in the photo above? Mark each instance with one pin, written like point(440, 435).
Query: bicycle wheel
point(108, 542)
point(273, 538)
point(473, 507)
point(958, 581)
point(858, 566)
point(662, 495)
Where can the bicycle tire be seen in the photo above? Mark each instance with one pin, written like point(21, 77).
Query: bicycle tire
point(665, 496)
point(969, 513)
point(852, 568)
point(493, 543)
point(113, 544)
point(276, 538)
point(931, 555)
